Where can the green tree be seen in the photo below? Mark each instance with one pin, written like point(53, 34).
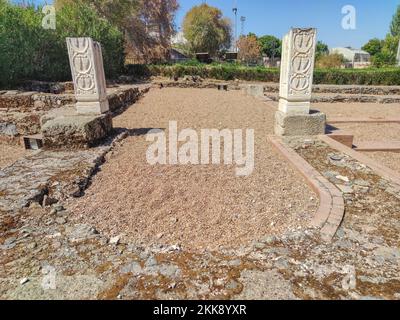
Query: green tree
point(270, 46)
point(321, 50)
point(373, 46)
point(115, 11)
point(206, 29)
point(395, 26)
point(29, 52)
point(387, 56)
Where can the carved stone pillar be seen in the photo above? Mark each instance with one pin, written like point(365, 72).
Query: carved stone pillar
point(297, 70)
point(87, 69)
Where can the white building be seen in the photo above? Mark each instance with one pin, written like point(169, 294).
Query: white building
point(355, 58)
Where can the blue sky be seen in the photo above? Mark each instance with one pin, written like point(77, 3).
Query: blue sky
point(276, 17)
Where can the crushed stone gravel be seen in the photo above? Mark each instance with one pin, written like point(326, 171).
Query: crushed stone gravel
point(197, 207)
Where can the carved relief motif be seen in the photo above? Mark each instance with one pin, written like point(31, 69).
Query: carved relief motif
point(82, 59)
point(302, 61)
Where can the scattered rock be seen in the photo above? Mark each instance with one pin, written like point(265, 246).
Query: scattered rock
point(115, 240)
point(342, 178)
point(345, 189)
point(81, 232)
point(10, 241)
point(336, 157)
point(61, 220)
point(159, 236)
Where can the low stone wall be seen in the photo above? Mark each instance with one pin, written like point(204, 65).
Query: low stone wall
point(196, 82)
point(344, 89)
point(20, 112)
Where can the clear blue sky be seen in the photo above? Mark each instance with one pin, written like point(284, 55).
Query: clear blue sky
point(277, 16)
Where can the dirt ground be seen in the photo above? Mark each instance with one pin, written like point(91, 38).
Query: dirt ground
point(371, 131)
point(358, 110)
point(9, 154)
point(388, 159)
point(195, 206)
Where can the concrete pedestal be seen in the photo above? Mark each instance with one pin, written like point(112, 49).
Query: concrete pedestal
point(299, 125)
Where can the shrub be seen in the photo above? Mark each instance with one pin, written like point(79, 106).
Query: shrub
point(371, 76)
point(330, 61)
point(390, 76)
point(219, 72)
point(29, 52)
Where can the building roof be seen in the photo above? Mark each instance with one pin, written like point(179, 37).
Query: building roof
point(349, 50)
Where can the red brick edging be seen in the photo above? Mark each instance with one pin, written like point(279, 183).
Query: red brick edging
point(382, 146)
point(330, 213)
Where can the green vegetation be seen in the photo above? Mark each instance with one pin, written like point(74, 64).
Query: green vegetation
point(383, 52)
point(206, 30)
point(30, 52)
point(381, 76)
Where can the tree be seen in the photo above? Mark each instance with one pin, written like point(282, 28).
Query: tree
point(116, 12)
point(147, 25)
point(373, 46)
point(206, 29)
point(387, 56)
point(150, 31)
point(270, 46)
point(249, 49)
point(30, 52)
point(395, 26)
point(321, 50)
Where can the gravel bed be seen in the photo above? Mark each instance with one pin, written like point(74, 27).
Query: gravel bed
point(195, 206)
point(384, 132)
point(389, 159)
point(9, 154)
point(352, 110)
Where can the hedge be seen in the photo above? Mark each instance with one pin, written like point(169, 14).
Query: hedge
point(30, 52)
point(227, 72)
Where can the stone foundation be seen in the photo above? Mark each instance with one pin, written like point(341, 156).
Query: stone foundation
point(255, 90)
point(21, 112)
point(76, 131)
point(300, 125)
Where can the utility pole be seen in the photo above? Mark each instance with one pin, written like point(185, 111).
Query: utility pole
point(242, 20)
point(235, 11)
point(398, 55)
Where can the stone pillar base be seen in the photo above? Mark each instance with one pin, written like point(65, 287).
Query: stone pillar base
point(255, 90)
point(300, 125)
point(76, 131)
point(301, 107)
point(96, 107)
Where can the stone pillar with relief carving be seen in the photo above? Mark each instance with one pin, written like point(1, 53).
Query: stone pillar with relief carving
point(86, 61)
point(90, 122)
point(297, 69)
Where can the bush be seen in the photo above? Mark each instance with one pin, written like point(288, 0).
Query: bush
point(371, 76)
point(330, 61)
point(390, 76)
point(214, 71)
point(29, 52)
